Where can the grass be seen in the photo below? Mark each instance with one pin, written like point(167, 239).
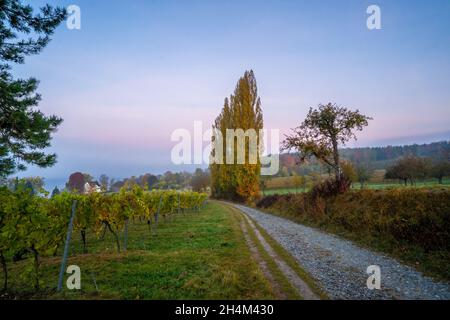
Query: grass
point(198, 255)
point(284, 255)
point(371, 185)
point(285, 286)
point(269, 192)
point(291, 262)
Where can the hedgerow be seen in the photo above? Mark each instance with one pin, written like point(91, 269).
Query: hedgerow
point(400, 219)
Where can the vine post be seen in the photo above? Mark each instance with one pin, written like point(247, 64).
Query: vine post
point(66, 246)
point(157, 211)
point(125, 240)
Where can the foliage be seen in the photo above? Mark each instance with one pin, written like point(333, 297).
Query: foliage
point(242, 110)
point(76, 182)
point(30, 226)
point(440, 169)
point(409, 168)
point(268, 201)
point(200, 180)
point(55, 192)
point(322, 131)
point(197, 256)
point(363, 173)
point(299, 181)
point(331, 187)
point(32, 223)
point(349, 171)
point(34, 183)
point(168, 180)
point(379, 156)
point(7, 234)
point(417, 216)
point(104, 182)
point(371, 159)
point(24, 130)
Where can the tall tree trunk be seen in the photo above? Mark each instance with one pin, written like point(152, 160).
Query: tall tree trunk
point(337, 165)
point(5, 272)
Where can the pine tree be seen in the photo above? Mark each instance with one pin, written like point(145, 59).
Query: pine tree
point(55, 192)
point(24, 130)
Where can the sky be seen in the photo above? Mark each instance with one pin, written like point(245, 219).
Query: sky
point(138, 70)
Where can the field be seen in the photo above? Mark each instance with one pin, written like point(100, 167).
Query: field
point(192, 255)
point(284, 185)
point(196, 255)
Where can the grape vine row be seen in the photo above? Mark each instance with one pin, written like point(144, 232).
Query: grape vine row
point(37, 225)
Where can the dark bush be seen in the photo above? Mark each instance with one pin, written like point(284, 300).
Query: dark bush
point(268, 201)
point(331, 187)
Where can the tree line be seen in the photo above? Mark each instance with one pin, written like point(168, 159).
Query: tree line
point(412, 168)
point(366, 157)
point(197, 181)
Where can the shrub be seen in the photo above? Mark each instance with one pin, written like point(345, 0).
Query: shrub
point(331, 187)
point(419, 217)
point(268, 201)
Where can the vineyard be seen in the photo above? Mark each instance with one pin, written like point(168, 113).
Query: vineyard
point(33, 225)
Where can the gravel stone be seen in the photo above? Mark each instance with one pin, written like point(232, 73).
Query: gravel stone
point(339, 266)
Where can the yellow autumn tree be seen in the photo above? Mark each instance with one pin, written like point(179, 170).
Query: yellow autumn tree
point(242, 111)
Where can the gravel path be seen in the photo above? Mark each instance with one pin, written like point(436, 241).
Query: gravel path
point(340, 267)
point(301, 286)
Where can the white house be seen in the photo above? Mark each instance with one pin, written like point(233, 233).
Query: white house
point(91, 187)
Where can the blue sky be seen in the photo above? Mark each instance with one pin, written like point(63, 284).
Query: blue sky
point(137, 70)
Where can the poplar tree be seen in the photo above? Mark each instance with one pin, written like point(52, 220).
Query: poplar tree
point(241, 111)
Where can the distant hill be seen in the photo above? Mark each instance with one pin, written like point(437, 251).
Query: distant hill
point(375, 154)
point(377, 157)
